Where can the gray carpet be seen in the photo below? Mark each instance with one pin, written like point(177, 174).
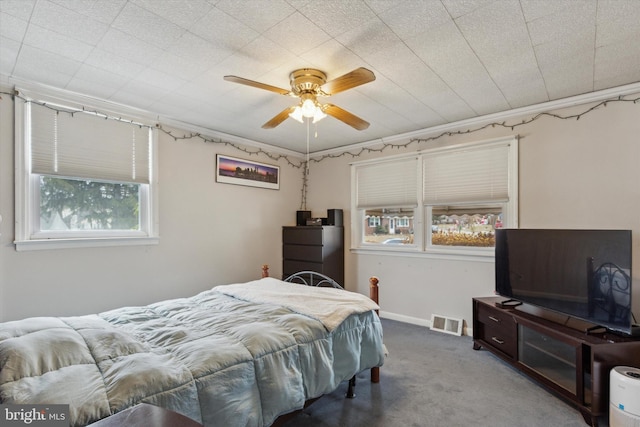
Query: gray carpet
point(436, 379)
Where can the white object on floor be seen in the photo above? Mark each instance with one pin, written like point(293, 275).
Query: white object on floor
point(624, 397)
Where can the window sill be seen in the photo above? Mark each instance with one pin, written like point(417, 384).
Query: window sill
point(449, 254)
point(44, 244)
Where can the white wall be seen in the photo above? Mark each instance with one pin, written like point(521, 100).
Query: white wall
point(210, 234)
point(573, 174)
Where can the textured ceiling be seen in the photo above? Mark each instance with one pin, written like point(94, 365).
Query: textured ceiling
point(435, 61)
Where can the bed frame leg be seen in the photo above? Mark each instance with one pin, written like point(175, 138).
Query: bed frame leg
point(373, 294)
point(373, 290)
point(350, 390)
point(375, 374)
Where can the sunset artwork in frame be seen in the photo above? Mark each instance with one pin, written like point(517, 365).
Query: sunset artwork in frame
point(231, 170)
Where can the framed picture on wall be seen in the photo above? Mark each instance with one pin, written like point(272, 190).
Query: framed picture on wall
point(231, 170)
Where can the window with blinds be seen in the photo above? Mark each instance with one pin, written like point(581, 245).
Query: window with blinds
point(82, 174)
point(387, 184)
point(465, 191)
point(387, 192)
point(86, 145)
point(472, 175)
point(452, 197)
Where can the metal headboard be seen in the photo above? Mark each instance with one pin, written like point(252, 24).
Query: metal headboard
point(312, 278)
point(610, 291)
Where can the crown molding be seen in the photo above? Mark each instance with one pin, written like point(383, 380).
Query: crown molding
point(572, 101)
point(225, 137)
point(63, 96)
point(597, 96)
point(31, 89)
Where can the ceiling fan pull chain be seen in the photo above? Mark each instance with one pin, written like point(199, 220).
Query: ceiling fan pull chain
point(307, 166)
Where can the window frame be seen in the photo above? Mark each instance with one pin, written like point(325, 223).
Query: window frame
point(374, 221)
point(422, 245)
point(402, 222)
point(468, 250)
point(417, 239)
point(28, 235)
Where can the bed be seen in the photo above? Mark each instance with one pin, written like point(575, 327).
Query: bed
point(235, 355)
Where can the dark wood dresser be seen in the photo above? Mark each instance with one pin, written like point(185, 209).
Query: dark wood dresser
point(313, 248)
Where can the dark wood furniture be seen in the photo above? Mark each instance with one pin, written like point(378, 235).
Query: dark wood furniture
point(313, 248)
point(145, 415)
point(568, 361)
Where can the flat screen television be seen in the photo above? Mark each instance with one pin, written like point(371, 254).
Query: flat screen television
point(584, 274)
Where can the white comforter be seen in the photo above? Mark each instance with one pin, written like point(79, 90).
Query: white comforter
point(226, 357)
point(331, 306)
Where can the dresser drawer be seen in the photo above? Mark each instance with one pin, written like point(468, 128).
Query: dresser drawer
point(302, 253)
point(498, 317)
point(498, 330)
point(302, 235)
point(313, 248)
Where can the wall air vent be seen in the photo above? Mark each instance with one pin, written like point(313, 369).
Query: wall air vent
point(447, 325)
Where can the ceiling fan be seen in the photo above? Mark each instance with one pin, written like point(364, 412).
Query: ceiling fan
point(308, 84)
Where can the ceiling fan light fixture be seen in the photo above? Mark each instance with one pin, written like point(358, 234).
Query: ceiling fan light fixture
point(318, 115)
point(296, 114)
point(308, 108)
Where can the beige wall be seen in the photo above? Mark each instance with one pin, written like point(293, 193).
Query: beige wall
point(573, 174)
point(210, 234)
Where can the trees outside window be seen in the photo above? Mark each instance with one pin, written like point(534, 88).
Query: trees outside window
point(82, 178)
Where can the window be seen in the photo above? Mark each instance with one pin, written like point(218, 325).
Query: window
point(463, 193)
point(83, 179)
point(471, 226)
point(389, 226)
point(70, 205)
point(386, 192)
point(403, 222)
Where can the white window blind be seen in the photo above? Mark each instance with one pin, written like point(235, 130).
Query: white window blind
point(84, 145)
point(387, 184)
point(479, 174)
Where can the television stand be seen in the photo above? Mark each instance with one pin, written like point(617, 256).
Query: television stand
point(570, 363)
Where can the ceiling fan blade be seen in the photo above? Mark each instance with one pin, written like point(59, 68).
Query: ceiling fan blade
point(243, 81)
point(345, 116)
point(357, 77)
point(278, 118)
